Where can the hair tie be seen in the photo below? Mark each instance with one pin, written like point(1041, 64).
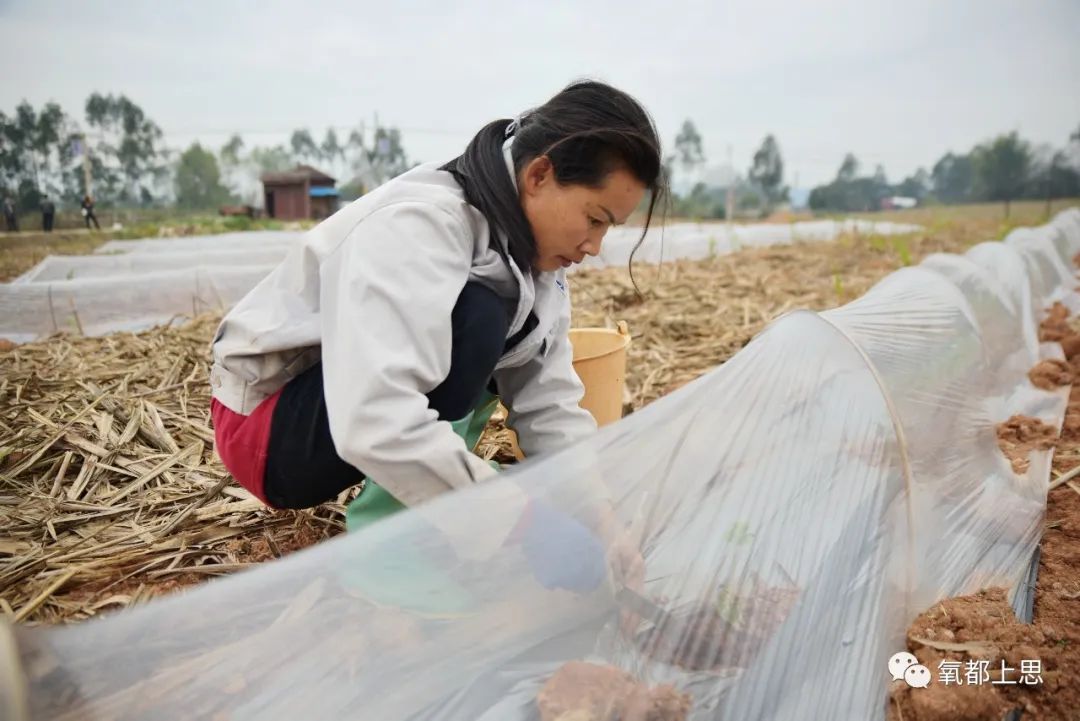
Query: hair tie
point(513, 126)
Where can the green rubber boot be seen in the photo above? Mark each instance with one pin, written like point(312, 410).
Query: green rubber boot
point(414, 578)
point(374, 503)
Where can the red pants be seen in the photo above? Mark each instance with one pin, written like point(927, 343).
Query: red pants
point(242, 442)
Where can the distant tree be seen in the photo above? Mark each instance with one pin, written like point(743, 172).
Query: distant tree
point(45, 138)
point(703, 202)
point(880, 178)
point(127, 149)
point(767, 172)
point(1001, 168)
point(1064, 178)
point(198, 181)
point(915, 186)
point(386, 158)
point(688, 147)
point(235, 173)
point(303, 147)
point(850, 193)
point(34, 152)
point(356, 139)
point(1072, 150)
point(274, 159)
point(331, 149)
point(231, 151)
point(819, 198)
point(11, 162)
point(1053, 175)
point(952, 178)
point(849, 169)
point(357, 165)
point(880, 187)
point(16, 138)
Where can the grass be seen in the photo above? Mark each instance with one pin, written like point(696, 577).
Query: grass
point(986, 220)
point(902, 248)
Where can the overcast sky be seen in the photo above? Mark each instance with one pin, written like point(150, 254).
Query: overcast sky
point(897, 83)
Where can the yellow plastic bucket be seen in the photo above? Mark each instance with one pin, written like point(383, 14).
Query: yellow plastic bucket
point(600, 362)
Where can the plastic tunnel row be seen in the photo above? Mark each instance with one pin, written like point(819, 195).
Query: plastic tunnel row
point(694, 234)
point(797, 507)
point(98, 306)
point(110, 290)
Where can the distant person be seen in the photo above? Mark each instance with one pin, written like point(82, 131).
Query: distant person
point(48, 214)
point(88, 212)
point(9, 215)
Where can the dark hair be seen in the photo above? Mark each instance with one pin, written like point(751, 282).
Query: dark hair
point(587, 130)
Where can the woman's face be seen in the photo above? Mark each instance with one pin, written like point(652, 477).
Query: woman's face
point(569, 221)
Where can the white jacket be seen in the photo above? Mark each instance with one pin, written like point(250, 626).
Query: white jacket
point(370, 291)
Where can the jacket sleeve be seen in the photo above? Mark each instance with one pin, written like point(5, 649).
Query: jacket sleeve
point(386, 294)
point(542, 396)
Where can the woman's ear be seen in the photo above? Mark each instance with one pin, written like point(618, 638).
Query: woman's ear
point(538, 174)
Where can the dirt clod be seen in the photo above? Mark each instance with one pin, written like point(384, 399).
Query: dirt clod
point(985, 624)
point(1050, 374)
point(1020, 435)
point(1055, 326)
point(727, 633)
point(581, 691)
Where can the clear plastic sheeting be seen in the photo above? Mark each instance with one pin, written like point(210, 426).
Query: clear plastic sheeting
point(131, 285)
point(796, 508)
point(97, 306)
point(996, 313)
point(922, 336)
point(695, 241)
point(1007, 266)
point(200, 243)
point(1050, 276)
point(80, 267)
point(183, 270)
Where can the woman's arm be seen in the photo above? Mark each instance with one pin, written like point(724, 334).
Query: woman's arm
point(386, 297)
point(542, 396)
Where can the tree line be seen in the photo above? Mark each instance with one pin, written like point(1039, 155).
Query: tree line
point(1002, 169)
point(47, 151)
point(122, 152)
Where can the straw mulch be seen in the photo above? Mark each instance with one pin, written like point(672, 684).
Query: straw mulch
point(109, 489)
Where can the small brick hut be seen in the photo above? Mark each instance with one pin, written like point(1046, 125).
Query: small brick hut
point(300, 193)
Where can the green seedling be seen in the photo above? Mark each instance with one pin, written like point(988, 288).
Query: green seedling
point(739, 534)
point(900, 245)
point(728, 605)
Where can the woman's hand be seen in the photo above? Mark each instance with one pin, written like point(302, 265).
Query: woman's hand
point(626, 562)
point(561, 551)
point(625, 559)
